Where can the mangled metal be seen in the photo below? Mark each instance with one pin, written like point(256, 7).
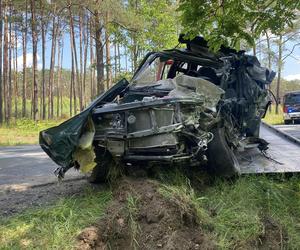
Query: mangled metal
point(187, 106)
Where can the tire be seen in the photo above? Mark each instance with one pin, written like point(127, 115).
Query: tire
point(221, 159)
point(100, 172)
point(287, 122)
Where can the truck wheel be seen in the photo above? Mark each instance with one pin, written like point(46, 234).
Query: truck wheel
point(287, 122)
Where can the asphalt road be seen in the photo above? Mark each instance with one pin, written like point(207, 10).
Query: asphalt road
point(293, 130)
point(23, 166)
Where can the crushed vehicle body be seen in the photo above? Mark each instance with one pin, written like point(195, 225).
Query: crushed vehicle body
point(183, 106)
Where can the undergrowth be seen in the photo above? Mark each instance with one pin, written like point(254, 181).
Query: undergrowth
point(24, 131)
point(132, 210)
point(234, 211)
point(56, 226)
point(272, 118)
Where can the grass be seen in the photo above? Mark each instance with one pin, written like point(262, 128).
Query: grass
point(134, 227)
point(233, 212)
point(56, 226)
point(240, 207)
point(272, 118)
point(24, 131)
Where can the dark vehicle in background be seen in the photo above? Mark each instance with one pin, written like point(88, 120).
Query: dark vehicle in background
point(187, 107)
point(291, 107)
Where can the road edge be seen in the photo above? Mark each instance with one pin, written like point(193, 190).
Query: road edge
point(282, 133)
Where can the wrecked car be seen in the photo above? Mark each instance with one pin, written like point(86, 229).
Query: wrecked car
point(188, 106)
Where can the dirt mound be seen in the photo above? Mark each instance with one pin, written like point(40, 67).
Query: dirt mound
point(140, 217)
point(274, 236)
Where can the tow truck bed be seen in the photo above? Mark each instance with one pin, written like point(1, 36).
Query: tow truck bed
point(284, 151)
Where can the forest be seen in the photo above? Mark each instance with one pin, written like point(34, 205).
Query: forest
point(57, 56)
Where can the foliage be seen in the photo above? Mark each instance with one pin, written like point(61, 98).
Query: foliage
point(56, 226)
point(160, 29)
point(229, 22)
point(285, 86)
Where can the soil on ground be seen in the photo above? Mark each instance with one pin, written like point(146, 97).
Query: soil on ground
point(13, 201)
point(139, 217)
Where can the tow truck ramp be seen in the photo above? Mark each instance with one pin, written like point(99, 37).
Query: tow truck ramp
point(283, 155)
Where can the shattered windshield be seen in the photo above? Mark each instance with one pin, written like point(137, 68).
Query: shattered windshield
point(153, 71)
point(158, 67)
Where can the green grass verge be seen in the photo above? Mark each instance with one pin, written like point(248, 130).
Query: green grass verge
point(56, 226)
point(233, 212)
point(272, 118)
point(24, 131)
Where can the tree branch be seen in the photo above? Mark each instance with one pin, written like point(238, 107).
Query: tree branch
point(291, 51)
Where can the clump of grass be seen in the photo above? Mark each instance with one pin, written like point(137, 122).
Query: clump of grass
point(56, 226)
point(233, 212)
point(177, 187)
point(115, 171)
point(239, 208)
point(132, 210)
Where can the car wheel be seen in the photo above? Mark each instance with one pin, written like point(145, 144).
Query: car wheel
point(287, 122)
point(221, 159)
point(100, 172)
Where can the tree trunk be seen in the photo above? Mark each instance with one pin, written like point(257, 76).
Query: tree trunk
point(115, 59)
point(1, 85)
point(92, 63)
point(43, 31)
point(59, 75)
point(16, 73)
point(134, 53)
point(9, 95)
point(34, 54)
point(119, 58)
point(80, 87)
point(73, 48)
point(5, 62)
point(86, 37)
point(71, 89)
point(99, 54)
point(59, 45)
point(269, 61)
point(126, 64)
point(24, 47)
point(51, 73)
point(254, 49)
point(279, 68)
point(269, 50)
point(108, 60)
